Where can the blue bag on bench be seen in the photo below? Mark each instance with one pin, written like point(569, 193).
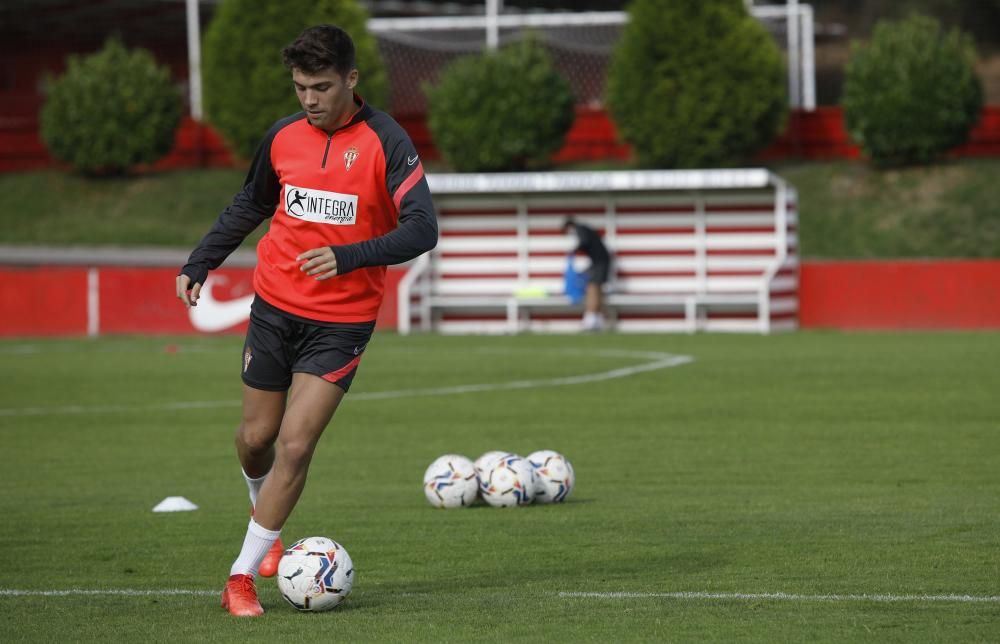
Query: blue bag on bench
point(575, 282)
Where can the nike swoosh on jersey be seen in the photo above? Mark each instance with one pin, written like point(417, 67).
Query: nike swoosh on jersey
point(411, 160)
point(217, 315)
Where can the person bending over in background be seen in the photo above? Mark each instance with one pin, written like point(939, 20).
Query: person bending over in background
point(346, 194)
point(589, 242)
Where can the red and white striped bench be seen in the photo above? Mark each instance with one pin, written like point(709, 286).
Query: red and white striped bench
point(694, 250)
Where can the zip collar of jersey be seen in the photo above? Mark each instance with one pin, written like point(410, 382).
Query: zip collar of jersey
point(362, 113)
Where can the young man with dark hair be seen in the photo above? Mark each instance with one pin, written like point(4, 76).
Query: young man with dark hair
point(589, 242)
point(346, 194)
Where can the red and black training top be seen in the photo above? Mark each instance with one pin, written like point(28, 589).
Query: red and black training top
point(360, 190)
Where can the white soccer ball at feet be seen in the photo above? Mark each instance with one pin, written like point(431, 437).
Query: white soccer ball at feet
point(451, 482)
point(554, 476)
point(509, 482)
point(315, 574)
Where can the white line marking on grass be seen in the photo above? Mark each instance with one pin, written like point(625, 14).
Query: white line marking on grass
point(659, 361)
point(789, 597)
point(126, 592)
point(656, 361)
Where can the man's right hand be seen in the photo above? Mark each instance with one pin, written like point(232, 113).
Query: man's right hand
point(187, 293)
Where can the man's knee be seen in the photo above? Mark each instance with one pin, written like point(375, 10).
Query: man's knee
point(255, 436)
point(295, 453)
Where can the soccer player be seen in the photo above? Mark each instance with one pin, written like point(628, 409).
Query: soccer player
point(590, 243)
point(346, 194)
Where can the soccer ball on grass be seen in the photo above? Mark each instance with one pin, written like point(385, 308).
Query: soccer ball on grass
point(554, 476)
point(451, 482)
point(510, 481)
point(315, 574)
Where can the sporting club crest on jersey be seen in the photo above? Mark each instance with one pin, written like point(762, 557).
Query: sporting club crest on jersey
point(350, 157)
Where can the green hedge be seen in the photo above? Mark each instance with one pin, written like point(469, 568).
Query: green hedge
point(111, 110)
point(696, 83)
point(911, 93)
point(501, 110)
point(247, 87)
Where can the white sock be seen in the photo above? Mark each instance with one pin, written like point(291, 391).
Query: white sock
point(255, 545)
point(253, 485)
point(589, 319)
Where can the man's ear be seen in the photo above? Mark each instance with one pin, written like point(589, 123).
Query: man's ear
point(352, 79)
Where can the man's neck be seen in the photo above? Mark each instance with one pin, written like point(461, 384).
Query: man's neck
point(346, 116)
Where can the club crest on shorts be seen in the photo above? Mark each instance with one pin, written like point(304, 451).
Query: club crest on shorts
point(350, 157)
point(247, 357)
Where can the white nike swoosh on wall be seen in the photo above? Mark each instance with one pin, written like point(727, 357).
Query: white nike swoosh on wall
point(214, 315)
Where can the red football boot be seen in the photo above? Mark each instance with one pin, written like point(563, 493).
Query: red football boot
point(240, 597)
point(269, 567)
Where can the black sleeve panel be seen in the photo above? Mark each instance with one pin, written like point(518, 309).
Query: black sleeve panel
point(417, 231)
point(252, 205)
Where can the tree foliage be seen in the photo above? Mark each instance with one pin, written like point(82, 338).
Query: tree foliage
point(111, 110)
point(696, 83)
point(247, 87)
point(912, 92)
point(501, 110)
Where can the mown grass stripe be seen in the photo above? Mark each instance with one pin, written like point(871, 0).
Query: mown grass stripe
point(126, 592)
point(790, 597)
point(655, 361)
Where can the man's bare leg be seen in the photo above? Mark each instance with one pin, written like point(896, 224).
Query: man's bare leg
point(593, 305)
point(311, 404)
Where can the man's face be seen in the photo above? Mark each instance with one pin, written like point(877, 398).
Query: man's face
point(326, 97)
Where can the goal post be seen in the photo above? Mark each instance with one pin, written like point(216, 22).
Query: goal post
point(581, 43)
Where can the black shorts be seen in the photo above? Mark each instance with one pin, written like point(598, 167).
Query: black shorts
point(598, 272)
point(279, 345)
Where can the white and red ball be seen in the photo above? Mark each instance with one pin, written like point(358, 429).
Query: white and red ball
point(451, 482)
point(315, 574)
point(554, 476)
point(509, 482)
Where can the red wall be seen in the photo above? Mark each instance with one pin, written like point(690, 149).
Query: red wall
point(900, 294)
point(143, 300)
point(819, 134)
point(43, 301)
point(46, 301)
point(852, 295)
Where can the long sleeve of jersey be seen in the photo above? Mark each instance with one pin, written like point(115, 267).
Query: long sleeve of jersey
point(417, 230)
point(251, 206)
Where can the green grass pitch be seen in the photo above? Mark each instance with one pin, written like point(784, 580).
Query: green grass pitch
point(857, 474)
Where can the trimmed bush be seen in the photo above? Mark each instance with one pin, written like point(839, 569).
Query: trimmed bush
point(500, 110)
point(111, 110)
point(696, 83)
point(911, 93)
point(248, 88)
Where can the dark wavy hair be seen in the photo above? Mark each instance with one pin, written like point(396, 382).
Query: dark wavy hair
point(319, 48)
